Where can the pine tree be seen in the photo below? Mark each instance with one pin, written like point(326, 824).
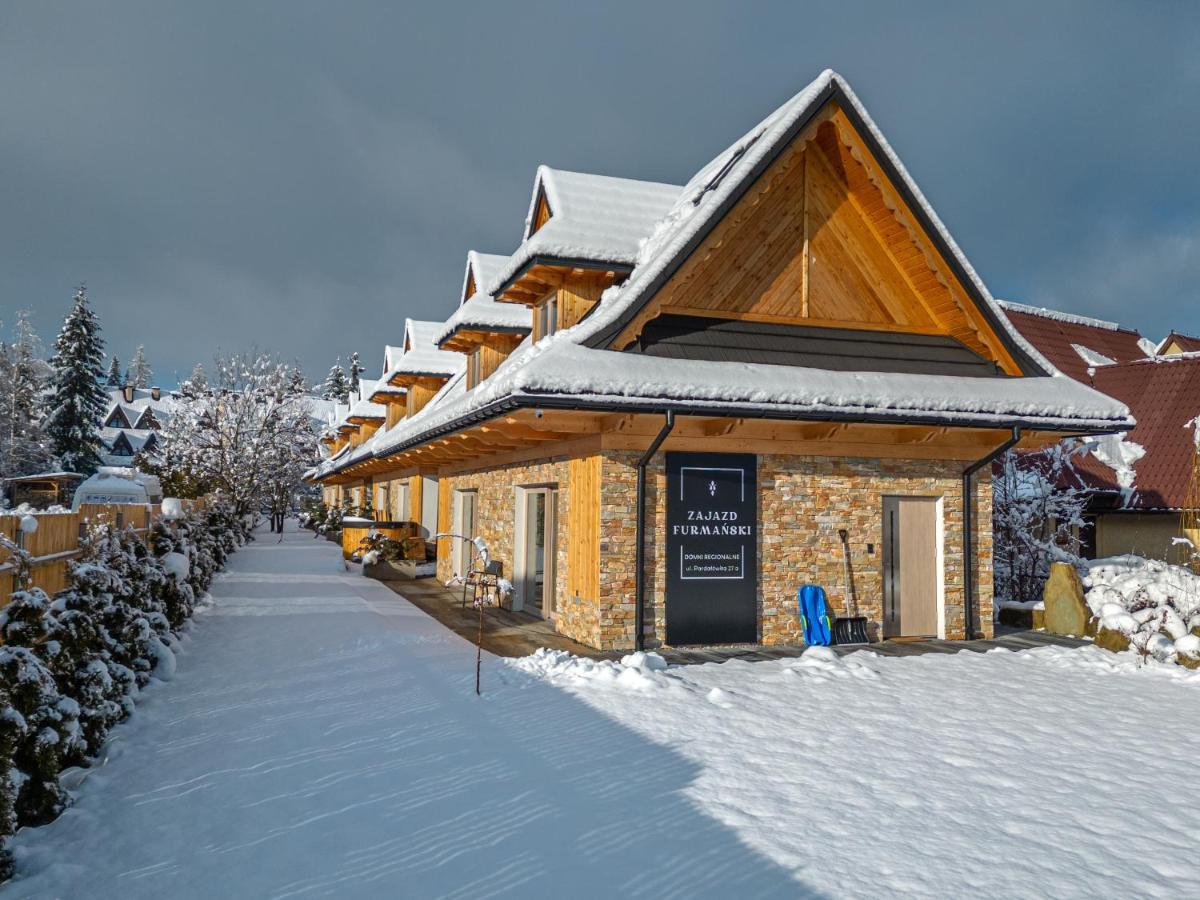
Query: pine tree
point(197, 383)
point(355, 371)
point(297, 383)
point(22, 379)
point(140, 370)
point(78, 402)
point(114, 373)
point(336, 387)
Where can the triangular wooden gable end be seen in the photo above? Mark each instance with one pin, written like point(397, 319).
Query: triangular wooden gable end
point(541, 211)
point(121, 445)
point(823, 238)
point(117, 419)
point(469, 287)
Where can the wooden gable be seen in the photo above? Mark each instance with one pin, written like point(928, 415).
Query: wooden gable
point(121, 445)
point(541, 211)
point(823, 238)
point(117, 419)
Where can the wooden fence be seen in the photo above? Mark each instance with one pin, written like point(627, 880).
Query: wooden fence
point(57, 539)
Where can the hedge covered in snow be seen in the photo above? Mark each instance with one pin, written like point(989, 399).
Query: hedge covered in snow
point(71, 666)
point(1145, 605)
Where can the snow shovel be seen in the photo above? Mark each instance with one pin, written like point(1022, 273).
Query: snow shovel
point(851, 628)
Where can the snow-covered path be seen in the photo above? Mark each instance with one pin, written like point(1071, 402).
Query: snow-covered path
point(321, 737)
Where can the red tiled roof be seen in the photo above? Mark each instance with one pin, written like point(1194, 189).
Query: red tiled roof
point(1054, 336)
point(1164, 396)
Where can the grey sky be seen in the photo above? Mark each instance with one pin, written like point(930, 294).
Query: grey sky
point(302, 176)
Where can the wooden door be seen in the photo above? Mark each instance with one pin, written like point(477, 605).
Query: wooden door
point(910, 567)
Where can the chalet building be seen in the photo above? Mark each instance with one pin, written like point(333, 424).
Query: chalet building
point(674, 405)
point(132, 424)
point(1161, 386)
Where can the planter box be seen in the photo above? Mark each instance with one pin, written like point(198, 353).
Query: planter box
point(355, 529)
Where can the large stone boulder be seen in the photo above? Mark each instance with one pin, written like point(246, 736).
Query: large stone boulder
point(1066, 610)
point(1111, 639)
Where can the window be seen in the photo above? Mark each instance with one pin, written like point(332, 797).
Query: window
point(473, 368)
point(463, 525)
point(546, 316)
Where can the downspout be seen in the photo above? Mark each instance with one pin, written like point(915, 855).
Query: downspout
point(639, 617)
point(968, 527)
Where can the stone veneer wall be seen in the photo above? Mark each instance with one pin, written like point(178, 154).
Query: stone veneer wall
point(495, 522)
point(803, 501)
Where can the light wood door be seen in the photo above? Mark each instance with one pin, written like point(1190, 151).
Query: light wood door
point(910, 567)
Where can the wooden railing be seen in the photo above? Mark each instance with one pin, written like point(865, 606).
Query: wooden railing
point(57, 539)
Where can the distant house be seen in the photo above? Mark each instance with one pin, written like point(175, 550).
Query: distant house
point(1162, 391)
point(132, 423)
point(1175, 343)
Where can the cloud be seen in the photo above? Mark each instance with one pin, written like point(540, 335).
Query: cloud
point(302, 177)
point(1146, 280)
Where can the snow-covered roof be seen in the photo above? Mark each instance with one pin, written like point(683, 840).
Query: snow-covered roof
point(423, 356)
point(480, 312)
point(719, 184)
point(391, 355)
point(573, 368)
point(362, 407)
point(380, 442)
point(1058, 315)
point(45, 476)
point(593, 218)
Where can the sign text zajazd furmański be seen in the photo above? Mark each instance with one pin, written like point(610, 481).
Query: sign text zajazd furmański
point(712, 548)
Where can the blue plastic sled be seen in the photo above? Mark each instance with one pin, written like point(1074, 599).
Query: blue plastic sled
point(814, 617)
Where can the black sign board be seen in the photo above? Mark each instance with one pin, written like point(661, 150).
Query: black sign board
point(712, 548)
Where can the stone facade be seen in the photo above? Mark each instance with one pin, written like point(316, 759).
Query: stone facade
point(495, 522)
point(803, 502)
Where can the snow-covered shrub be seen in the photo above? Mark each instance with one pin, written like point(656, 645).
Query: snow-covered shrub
point(11, 726)
point(1154, 604)
point(72, 665)
point(48, 736)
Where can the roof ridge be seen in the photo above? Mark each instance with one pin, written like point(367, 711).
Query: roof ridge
point(1047, 312)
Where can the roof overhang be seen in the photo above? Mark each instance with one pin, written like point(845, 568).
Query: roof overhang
point(408, 379)
point(467, 335)
point(543, 273)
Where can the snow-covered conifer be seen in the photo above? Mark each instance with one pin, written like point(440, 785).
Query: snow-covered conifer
point(139, 369)
point(78, 400)
point(114, 373)
point(355, 373)
point(24, 447)
point(50, 737)
point(336, 387)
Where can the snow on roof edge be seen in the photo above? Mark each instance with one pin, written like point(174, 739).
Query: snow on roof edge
point(1046, 312)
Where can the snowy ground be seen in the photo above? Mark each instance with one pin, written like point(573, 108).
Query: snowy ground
point(321, 737)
